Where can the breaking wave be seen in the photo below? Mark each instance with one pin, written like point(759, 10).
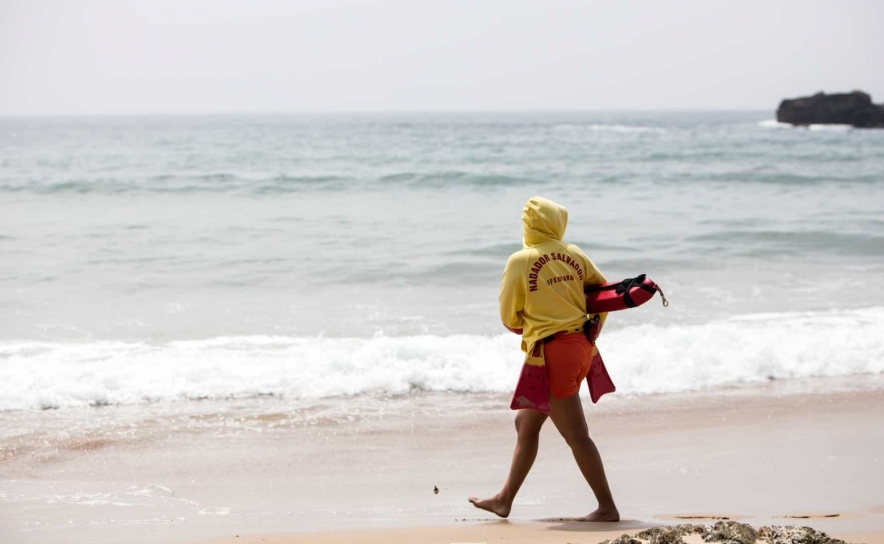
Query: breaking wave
point(623, 129)
point(773, 123)
point(641, 359)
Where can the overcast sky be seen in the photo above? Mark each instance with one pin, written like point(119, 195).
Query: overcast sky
point(201, 56)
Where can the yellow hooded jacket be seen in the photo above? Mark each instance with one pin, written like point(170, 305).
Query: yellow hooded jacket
point(542, 287)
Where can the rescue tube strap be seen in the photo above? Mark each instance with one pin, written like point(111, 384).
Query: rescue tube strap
point(625, 286)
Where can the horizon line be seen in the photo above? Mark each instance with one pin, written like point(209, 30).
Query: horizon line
point(387, 112)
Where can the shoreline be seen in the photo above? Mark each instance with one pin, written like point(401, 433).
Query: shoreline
point(195, 472)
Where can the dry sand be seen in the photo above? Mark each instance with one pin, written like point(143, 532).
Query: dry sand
point(255, 469)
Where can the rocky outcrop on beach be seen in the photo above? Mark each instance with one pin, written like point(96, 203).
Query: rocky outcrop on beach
point(854, 109)
point(623, 539)
point(793, 534)
point(728, 532)
point(663, 535)
point(731, 532)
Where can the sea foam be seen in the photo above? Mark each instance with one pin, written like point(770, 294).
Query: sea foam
point(773, 123)
point(595, 127)
point(641, 359)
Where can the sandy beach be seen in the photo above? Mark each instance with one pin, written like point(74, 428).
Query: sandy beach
point(261, 264)
point(500, 531)
point(263, 470)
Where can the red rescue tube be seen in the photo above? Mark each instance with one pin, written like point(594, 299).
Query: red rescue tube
point(621, 295)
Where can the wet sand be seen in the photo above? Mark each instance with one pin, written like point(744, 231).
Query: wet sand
point(502, 531)
point(365, 469)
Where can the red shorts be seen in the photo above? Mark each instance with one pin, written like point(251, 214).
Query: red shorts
point(567, 359)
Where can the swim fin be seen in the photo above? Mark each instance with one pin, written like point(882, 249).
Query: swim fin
point(598, 379)
point(532, 391)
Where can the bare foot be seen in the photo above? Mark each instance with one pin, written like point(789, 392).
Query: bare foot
point(495, 505)
point(602, 514)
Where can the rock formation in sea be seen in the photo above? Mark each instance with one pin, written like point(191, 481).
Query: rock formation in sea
point(854, 109)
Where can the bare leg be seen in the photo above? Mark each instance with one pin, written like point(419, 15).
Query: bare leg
point(528, 424)
point(567, 415)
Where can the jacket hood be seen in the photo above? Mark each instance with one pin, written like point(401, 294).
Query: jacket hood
point(543, 221)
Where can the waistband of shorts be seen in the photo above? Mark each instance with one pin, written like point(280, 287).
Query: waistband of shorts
point(560, 334)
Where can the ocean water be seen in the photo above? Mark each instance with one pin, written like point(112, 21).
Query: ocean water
point(172, 259)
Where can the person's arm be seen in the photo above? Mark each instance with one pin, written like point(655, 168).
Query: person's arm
point(512, 294)
point(593, 275)
point(592, 278)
